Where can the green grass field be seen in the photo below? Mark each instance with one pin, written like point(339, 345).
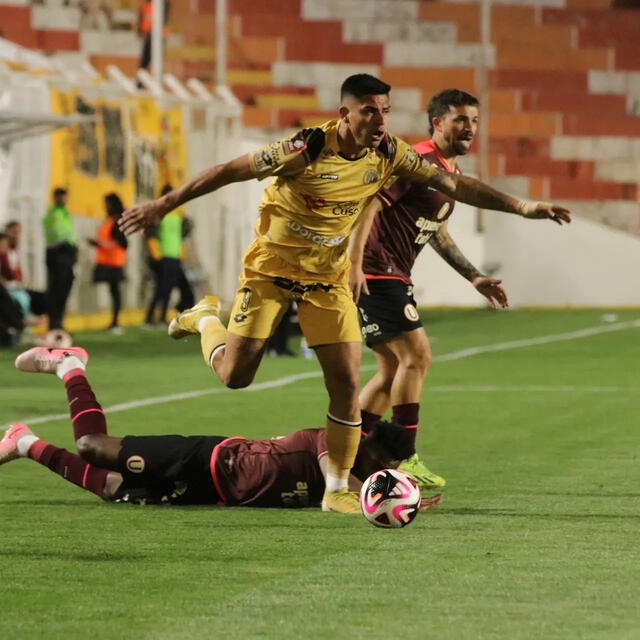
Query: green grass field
point(537, 538)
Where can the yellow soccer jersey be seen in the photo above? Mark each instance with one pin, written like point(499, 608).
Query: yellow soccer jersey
point(309, 210)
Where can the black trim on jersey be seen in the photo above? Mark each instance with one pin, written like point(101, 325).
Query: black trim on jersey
point(388, 146)
point(315, 140)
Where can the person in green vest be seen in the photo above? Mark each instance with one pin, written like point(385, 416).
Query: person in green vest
point(62, 252)
point(168, 245)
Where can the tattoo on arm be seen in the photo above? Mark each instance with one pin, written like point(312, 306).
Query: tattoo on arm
point(474, 192)
point(448, 250)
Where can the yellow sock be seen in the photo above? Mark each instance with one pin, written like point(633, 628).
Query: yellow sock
point(212, 334)
point(343, 439)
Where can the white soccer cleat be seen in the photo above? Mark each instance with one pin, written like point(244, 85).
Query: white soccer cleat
point(9, 444)
point(47, 360)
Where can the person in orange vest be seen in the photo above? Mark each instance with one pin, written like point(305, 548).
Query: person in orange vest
point(145, 24)
point(111, 256)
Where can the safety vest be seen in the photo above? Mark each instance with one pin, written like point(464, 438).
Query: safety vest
point(111, 254)
point(145, 19)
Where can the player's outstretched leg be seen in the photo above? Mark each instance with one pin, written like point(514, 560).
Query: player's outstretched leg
point(20, 442)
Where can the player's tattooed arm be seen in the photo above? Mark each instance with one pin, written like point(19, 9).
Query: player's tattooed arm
point(481, 195)
point(448, 250)
point(445, 246)
point(357, 242)
point(149, 214)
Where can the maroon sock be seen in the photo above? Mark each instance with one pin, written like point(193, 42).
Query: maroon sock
point(87, 415)
point(70, 466)
point(368, 420)
point(407, 416)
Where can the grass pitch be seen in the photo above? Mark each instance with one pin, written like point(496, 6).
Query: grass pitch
point(537, 537)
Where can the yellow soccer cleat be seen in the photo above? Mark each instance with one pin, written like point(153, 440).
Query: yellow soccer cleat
point(186, 323)
point(342, 501)
point(416, 469)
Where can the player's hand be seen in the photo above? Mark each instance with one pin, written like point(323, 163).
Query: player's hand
point(357, 282)
point(431, 502)
point(545, 210)
point(143, 216)
point(490, 288)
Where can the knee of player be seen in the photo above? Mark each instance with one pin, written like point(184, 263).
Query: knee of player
point(238, 380)
point(418, 361)
point(89, 446)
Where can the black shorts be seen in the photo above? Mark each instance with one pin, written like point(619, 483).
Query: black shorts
point(167, 470)
point(387, 311)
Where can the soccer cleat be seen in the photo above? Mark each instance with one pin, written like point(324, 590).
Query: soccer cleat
point(186, 323)
point(426, 479)
point(342, 501)
point(47, 359)
point(9, 444)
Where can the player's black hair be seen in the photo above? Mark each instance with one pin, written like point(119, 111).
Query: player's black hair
point(440, 103)
point(393, 438)
point(363, 84)
point(114, 204)
point(3, 236)
point(59, 191)
point(11, 224)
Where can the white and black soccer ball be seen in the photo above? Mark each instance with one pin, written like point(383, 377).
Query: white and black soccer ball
point(57, 339)
point(390, 499)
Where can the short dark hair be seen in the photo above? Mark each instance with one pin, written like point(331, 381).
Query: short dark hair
point(113, 204)
point(11, 224)
point(3, 236)
point(363, 84)
point(59, 191)
point(393, 438)
point(440, 103)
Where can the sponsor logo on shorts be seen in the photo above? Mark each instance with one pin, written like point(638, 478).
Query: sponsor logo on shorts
point(372, 328)
point(135, 464)
point(370, 176)
point(411, 313)
point(316, 238)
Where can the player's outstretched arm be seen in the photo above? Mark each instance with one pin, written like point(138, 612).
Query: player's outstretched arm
point(149, 214)
point(357, 242)
point(481, 195)
point(448, 250)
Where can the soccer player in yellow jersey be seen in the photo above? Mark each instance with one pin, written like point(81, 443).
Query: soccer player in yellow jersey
point(324, 179)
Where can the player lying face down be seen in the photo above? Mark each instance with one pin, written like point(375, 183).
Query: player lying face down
point(181, 470)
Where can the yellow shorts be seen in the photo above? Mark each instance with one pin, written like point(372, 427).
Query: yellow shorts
point(326, 312)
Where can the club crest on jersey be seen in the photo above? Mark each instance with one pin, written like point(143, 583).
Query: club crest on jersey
point(296, 145)
point(370, 176)
point(411, 313)
point(135, 464)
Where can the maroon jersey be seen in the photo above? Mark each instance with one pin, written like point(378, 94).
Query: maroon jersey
point(411, 214)
point(278, 472)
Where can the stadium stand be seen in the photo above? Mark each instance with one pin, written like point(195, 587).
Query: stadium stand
point(564, 98)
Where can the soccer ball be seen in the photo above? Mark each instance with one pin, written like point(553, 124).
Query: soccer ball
point(390, 499)
point(57, 339)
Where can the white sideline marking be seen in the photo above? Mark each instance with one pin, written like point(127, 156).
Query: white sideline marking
point(447, 357)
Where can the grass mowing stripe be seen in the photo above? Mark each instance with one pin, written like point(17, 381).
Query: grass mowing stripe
point(280, 382)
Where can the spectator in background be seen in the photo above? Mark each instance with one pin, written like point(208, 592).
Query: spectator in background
point(111, 256)
point(145, 25)
point(32, 303)
point(62, 253)
point(171, 232)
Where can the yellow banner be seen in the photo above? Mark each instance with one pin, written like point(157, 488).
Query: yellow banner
point(133, 147)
